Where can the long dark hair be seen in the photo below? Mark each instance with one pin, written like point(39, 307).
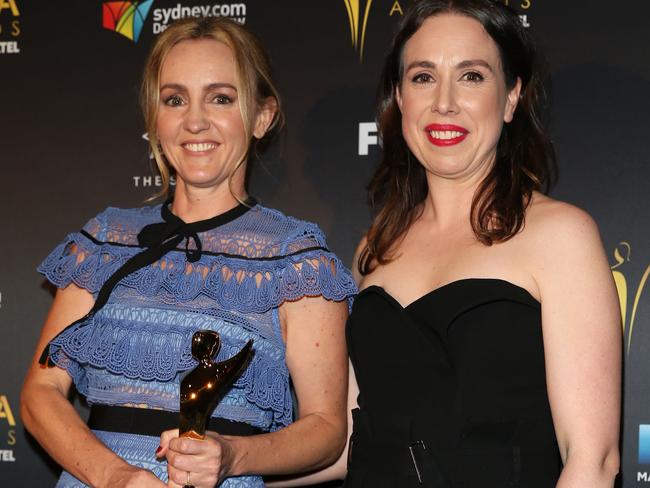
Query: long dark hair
point(525, 159)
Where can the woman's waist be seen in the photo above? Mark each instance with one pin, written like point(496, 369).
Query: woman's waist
point(152, 422)
point(419, 445)
point(262, 400)
point(446, 429)
point(229, 408)
point(492, 467)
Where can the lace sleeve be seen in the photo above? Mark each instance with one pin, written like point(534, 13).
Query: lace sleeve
point(311, 269)
point(81, 258)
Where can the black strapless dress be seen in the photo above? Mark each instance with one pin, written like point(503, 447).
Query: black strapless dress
point(453, 390)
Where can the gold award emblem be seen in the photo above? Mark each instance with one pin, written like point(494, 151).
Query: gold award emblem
point(358, 26)
point(622, 254)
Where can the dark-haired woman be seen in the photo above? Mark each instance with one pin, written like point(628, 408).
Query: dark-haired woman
point(486, 338)
point(136, 284)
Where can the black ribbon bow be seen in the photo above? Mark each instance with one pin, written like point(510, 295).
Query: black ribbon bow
point(173, 229)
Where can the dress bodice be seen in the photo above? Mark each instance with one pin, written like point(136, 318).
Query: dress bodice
point(462, 369)
point(134, 350)
point(230, 275)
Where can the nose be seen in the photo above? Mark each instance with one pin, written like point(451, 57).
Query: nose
point(445, 98)
point(196, 119)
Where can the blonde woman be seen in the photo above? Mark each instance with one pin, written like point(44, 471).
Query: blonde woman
point(136, 284)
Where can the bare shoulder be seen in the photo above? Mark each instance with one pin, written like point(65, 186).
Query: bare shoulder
point(552, 223)
point(561, 238)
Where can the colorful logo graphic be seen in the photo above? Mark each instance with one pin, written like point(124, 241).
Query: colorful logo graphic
point(622, 255)
point(358, 26)
point(644, 444)
point(126, 18)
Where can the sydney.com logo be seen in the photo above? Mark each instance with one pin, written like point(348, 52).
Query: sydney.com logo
point(126, 18)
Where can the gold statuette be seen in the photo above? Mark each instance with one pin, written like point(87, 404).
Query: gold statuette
point(205, 385)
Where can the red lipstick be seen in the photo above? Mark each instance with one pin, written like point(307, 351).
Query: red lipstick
point(445, 140)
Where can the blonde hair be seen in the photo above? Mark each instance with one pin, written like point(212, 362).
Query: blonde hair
point(256, 85)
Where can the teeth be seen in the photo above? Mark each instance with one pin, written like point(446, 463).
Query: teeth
point(203, 146)
point(445, 134)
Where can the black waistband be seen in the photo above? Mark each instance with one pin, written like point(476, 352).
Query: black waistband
point(145, 421)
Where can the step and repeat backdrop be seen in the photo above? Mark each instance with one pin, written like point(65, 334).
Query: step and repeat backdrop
point(72, 142)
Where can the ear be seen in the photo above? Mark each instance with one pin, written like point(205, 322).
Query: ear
point(511, 101)
point(264, 117)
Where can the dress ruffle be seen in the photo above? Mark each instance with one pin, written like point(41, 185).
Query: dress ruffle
point(160, 352)
point(251, 285)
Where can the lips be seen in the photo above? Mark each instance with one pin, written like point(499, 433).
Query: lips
point(445, 134)
point(199, 147)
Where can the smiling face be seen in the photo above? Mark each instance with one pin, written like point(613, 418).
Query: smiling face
point(453, 96)
point(199, 122)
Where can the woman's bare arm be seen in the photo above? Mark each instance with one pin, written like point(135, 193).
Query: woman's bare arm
point(582, 342)
point(53, 421)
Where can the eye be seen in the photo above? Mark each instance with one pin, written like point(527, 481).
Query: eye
point(422, 78)
point(473, 76)
point(222, 99)
point(174, 101)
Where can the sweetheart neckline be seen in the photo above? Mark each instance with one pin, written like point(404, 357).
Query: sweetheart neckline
point(449, 285)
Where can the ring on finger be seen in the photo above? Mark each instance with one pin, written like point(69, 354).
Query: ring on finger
point(189, 482)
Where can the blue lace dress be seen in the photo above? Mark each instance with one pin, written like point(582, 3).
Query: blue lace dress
point(134, 350)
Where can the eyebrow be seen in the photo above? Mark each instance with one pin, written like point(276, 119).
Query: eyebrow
point(211, 86)
point(462, 65)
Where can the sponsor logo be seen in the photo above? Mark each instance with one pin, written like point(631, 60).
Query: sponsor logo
point(10, 28)
point(9, 47)
point(359, 13)
point(162, 17)
point(5, 411)
point(521, 7)
point(367, 137)
point(518, 4)
point(6, 415)
point(644, 444)
point(151, 181)
point(7, 456)
point(10, 5)
point(126, 18)
point(629, 298)
point(358, 18)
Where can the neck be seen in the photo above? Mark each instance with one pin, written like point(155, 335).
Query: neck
point(192, 204)
point(449, 201)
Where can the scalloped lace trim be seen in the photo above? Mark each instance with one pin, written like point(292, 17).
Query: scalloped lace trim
point(140, 352)
point(236, 284)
